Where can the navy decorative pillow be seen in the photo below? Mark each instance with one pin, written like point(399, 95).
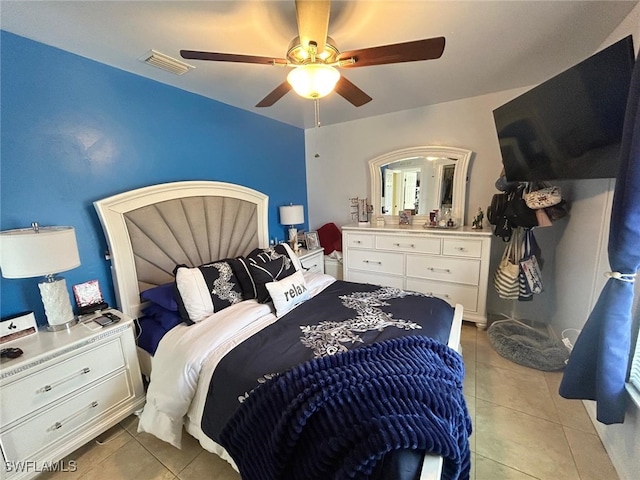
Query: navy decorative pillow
point(280, 251)
point(166, 318)
point(241, 270)
point(206, 289)
point(162, 295)
point(269, 265)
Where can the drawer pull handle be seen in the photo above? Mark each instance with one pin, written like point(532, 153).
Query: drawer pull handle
point(372, 261)
point(61, 423)
point(439, 295)
point(442, 270)
point(410, 245)
point(461, 249)
point(357, 241)
point(48, 388)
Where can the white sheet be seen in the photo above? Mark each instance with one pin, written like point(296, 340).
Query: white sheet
point(187, 353)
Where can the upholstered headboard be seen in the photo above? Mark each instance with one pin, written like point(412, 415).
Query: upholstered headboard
point(152, 229)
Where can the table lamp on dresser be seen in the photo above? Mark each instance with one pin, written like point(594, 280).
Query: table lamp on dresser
point(43, 252)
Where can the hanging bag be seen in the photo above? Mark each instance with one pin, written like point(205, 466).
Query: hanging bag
point(530, 267)
point(496, 210)
point(517, 211)
point(505, 279)
point(543, 198)
point(524, 290)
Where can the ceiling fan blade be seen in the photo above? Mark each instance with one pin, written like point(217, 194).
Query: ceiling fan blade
point(313, 22)
point(231, 57)
point(427, 49)
point(351, 93)
point(275, 95)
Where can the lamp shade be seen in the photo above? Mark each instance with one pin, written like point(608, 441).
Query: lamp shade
point(314, 80)
point(28, 252)
point(291, 215)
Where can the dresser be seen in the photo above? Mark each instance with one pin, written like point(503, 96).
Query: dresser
point(67, 388)
point(452, 264)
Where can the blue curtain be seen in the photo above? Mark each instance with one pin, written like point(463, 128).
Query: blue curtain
point(598, 364)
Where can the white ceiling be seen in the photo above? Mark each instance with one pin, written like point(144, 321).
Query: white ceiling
point(490, 46)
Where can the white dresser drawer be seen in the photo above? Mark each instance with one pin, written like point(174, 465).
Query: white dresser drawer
point(452, 293)
point(357, 240)
point(313, 262)
point(376, 279)
point(44, 386)
point(41, 430)
point(462, 247)
point(380, 262)
point(408, 243)
point(444, 269)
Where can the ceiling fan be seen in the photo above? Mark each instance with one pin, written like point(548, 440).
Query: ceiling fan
point(314, 57)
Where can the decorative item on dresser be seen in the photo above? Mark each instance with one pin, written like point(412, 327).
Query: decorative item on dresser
point(450, 264)
point(67, 388)
point(311, 240)
point(361, 210)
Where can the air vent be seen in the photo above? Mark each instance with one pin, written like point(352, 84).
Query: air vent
point(165, 62)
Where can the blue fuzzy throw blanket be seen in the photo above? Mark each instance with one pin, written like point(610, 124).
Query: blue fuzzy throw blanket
point(335, 417)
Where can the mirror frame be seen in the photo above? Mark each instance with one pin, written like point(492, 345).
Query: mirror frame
point(462, 157)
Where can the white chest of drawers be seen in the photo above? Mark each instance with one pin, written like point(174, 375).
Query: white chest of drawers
point(66, 389)
point(450, 264)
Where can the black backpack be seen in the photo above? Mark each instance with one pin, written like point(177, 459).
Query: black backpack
point(496, 215)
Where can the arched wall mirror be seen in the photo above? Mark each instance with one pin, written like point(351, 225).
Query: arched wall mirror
point(420, 179)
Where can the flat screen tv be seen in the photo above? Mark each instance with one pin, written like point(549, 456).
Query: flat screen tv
point(570, 126)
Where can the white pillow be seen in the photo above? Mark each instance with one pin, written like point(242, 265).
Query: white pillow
point(288, 292)
point(206, 289)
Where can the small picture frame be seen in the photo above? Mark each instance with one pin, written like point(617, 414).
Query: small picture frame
point(312, 240)
point(404, 217)
point(302, 241)
point(88, 296)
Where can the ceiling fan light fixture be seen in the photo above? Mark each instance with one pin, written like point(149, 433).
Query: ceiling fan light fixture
point(314, 80)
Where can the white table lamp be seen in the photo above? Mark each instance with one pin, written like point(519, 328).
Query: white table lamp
point(292, 215)
point(43, 251)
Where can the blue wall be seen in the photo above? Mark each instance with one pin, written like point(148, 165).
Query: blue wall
point(74, 131)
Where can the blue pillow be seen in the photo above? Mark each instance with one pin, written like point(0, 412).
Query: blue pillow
point(162, 295)
point(166, 318)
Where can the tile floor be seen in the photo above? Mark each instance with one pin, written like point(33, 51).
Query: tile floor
point(522, 430)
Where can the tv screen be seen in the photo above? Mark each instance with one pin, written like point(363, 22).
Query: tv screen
point(570, 126)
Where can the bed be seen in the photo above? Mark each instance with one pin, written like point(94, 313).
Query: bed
point(217, 375)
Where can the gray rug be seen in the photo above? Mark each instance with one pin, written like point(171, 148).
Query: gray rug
point(526, 346)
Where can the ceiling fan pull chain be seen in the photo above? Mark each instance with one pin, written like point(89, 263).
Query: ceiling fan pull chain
point(316, 109)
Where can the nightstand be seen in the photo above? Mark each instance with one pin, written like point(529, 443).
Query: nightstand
point(66, 389)
point(312, 260)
